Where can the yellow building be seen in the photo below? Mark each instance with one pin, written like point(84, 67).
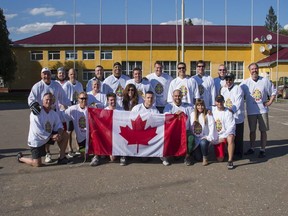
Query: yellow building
point(142, 45)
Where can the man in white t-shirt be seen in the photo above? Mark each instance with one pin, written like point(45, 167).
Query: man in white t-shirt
point(259, 93)
point(45, 128)
point(188, 86)
point(99, 75)
point(160, 82)
point(205, 84)
point(115, 83)
point(219, 81)
point(178, 107)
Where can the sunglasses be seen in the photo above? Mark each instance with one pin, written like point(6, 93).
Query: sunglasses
point(229, 79)
point(222, 70)
point(130, 89)
point(179, 68)
point(84, 98)
point(200, 66)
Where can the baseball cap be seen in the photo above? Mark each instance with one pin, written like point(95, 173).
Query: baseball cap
point(219, 98)
point(45, 69)
point(61, 69)
point(230, 76)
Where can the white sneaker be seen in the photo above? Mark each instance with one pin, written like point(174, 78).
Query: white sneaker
point(48, 158)
point(123, 161)
point(165, 161)
point(95, 161)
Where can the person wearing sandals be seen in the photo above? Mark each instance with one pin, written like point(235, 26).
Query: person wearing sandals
point(45, 128)
point(203, 130)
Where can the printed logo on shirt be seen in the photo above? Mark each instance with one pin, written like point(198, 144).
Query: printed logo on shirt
point(183, 90)
point(201, 89)
point(48, 127)
point(228, 103)
point(197, 128)
point(82, 122)
point(119, 91)
point(257, 95)
point(159, 89)
point(218, 125)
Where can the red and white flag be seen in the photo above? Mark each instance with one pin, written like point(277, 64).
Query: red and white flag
point(124, 133)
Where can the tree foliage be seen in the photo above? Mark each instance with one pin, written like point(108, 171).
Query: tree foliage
point(8, 65)
point(271, 22)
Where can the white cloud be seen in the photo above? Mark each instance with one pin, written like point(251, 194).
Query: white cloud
point(46, 11)
point(37, 27)
point(286, 27)
point(195, 21)
point(10, 16)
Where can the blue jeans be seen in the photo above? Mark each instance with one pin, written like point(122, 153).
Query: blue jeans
point(204, 144)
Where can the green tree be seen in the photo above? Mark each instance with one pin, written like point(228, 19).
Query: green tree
point(7, 58)
point(271, 20)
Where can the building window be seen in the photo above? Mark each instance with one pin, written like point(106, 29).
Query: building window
point(54, 55)
point(236, 68)
point(193, 66)
point(106, 54)
point(88, 55)
point(170, 68)
point(131, 65)
point(107, 73)
point(70, 55)
point(36, 55)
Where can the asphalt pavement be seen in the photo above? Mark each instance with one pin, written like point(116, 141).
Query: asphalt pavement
point(255, 187)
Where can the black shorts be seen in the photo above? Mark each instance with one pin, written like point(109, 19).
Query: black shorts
point(70, 126)
point(50, 141)
point(38, 152)
point(82, 144)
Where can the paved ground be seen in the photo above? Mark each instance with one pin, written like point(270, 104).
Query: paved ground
point(254, 187)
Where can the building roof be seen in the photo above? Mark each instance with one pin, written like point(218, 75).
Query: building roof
point(282, 57)
point(139, 35)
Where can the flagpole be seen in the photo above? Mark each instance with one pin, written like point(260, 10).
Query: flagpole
point(182, 32)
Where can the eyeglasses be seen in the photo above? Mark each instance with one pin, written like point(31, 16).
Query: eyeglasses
point(222, 69)
point(130, 89)
point(200, 66)
point(179, 68)
point(84, 98)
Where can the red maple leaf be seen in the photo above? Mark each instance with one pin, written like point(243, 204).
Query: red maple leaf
point(138, 135)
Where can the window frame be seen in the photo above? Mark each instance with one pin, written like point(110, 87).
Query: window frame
point(53, 53)
point(104, 55)
point(71, 55)
point(35, 54)
point(236, 70)
point(131, 66)
point(86, 54)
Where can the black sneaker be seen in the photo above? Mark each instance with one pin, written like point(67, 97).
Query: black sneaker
point(230, 165)
point(262, 154)
point(249, 152)
point(18, 156)
point(64, 160)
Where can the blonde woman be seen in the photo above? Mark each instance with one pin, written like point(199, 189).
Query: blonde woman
point(202, 127)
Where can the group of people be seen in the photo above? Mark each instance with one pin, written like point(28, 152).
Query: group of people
point(214, 109)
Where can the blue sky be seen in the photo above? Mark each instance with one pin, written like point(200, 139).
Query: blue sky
point(29, 17)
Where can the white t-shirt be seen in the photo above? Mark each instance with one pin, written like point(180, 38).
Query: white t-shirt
point(201, 130)
point(219, 83)
point(79, 118)
point(73, 90)
point(206, 89)
point(184, 107)
point(99, 100)
point(115, 85)
point(42, 126)
point(224, 122)
point(234, 100)
point(160, 86)
point(188, 87)
point(140, 108)
point(256, 94)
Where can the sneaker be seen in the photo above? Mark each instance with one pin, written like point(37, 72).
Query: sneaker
point(64, 160)
point(205, 162)
point(48, 158)
point(165, 161)
point(18, 156)
point(262, 154)
point(77, 153)
point(188, 161)
point(123, 161)
point(95, 161)
point(249, 152)
point(70, 155)
point(230, 165)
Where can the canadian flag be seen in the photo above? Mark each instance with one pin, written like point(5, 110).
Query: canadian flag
point(124, 133)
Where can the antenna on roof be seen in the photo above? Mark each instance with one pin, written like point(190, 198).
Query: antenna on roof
point(269, 37)
point(263, 39)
